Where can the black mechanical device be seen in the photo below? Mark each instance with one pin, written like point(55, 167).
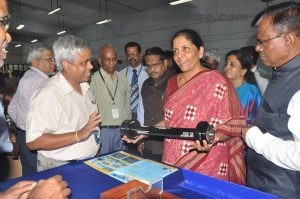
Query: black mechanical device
point(203, 131)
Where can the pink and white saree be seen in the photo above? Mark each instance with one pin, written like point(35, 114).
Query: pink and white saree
point(210, 97)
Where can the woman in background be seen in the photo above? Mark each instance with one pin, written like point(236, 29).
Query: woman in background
point(237, 69)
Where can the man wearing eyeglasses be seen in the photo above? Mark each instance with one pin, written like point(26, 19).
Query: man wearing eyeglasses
point(5, 38)
point(41, 59)
point(152, 99)
point(54, 187)
point(274, 155)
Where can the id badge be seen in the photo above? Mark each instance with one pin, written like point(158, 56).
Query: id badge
point(115, 112)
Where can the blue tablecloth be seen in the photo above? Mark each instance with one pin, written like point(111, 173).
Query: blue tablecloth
point(86, 182)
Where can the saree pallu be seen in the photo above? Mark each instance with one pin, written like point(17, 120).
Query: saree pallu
point(208, 96)
point(250, 99)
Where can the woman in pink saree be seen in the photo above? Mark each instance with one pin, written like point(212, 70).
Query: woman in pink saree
point(199, 94)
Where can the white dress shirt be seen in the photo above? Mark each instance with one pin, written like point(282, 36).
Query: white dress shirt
point(57, 108)
point(141, 111)
point(142, 76)
point(283, 153)
point(262, 82)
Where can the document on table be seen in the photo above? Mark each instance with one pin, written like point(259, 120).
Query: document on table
point(126, 167)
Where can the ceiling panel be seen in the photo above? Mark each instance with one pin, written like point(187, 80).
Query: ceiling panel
point(75, 14)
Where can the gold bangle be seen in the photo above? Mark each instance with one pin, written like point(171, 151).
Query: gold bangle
point(77, 138)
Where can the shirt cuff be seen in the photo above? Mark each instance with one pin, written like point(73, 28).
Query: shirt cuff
point(254, 139)
point(7, 147)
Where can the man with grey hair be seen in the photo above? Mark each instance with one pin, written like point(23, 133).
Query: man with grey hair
point(273, 160)
point(62, 122)
point(211, 60)
point(41, 59)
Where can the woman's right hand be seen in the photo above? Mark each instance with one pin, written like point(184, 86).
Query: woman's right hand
point(204, 146)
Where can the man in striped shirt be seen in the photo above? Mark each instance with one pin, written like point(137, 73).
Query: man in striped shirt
point(42, 62)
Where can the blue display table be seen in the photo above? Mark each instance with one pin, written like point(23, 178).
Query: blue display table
point(86, 182)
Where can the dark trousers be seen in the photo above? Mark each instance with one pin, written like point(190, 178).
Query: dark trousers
point(28, 158)
point(153, 148)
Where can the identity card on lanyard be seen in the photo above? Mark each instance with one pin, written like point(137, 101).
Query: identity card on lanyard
point(114, 109)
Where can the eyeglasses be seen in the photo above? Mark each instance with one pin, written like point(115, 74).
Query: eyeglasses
point(5, 21)
point(132, 54)
point(48, 59)
point(261, 42)
point(155, 65)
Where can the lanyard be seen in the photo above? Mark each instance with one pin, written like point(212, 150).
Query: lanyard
point(111, 96)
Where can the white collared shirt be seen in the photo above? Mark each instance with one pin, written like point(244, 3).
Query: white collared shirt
point(57, 108)
point(142, 76)
point(262, 82)
point(282, 153)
